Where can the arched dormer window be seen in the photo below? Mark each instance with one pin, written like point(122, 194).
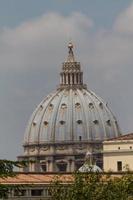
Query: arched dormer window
point(63, 106)
point(91, 105)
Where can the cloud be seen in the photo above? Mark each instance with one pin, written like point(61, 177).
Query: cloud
point(124, 22)
point(30, 61)
point(34, 41)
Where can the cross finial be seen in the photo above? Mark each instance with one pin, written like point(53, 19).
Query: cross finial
point(70, 46)
point(70, 55)
point(71, 75)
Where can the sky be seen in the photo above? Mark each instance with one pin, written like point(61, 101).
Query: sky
point(34, 35)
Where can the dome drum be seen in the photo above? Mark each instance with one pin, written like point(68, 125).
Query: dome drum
point(73, 153)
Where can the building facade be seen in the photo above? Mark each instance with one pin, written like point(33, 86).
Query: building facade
point(118, 153)
point(69, 122)
point(36, 186)
point(33, 185)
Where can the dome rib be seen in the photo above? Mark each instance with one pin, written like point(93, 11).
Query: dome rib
point(83, 112)
point(53, 132)
point(78, 132)
point(99, 113)
point(113, 118)
point(114, 123)
point(29, 128)
point(41, 121)
point(71, 114)
point(89, 134)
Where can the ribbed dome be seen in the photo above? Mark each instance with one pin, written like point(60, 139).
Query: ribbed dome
point(89, 168)
point(71, 113)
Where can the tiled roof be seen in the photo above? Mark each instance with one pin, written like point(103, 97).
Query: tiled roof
point(123, 137)
point(29, 178)
point(46, 179)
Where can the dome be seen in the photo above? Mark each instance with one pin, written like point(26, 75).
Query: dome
point(69, 122)
point(89, 168)
point(72, 113)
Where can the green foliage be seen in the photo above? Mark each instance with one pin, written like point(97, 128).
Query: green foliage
point(93, 186)
point(6, 170)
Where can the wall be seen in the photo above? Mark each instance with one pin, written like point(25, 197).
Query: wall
point(114, 151)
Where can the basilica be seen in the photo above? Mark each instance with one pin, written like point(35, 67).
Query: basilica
point(72, 129)
point(68, 123)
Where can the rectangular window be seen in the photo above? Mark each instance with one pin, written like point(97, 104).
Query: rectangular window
point(38, 192)
point(119, 165)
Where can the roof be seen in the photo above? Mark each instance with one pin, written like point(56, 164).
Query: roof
point(89, 168)
point(123, 137)
point(46, 179)
point(36, 178)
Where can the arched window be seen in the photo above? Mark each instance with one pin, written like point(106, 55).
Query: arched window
point(108, 122)
point(101, 105)
point(44, 167)
point(64, 78)
point(91, 105)
point(51, 106)
point(77, 78)
point(72, 78)
point(62, 166)
point(69, 79)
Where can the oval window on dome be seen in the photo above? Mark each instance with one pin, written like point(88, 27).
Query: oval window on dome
point(41, 106)
point(51, 106)
point(101, 105)
point(79, 121)
point(45, 123)
point(34, 123)
point(95, 121)
point(62, 122)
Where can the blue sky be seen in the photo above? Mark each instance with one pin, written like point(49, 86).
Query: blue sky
point(33, 43)
point(14, 12)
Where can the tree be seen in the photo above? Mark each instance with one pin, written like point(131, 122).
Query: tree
point(93, 186)
point(7, 170)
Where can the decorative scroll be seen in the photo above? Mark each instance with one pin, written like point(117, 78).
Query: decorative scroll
point(44, 148)
point(60, 147)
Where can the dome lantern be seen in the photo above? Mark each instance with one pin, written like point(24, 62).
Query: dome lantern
point(71, 74)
